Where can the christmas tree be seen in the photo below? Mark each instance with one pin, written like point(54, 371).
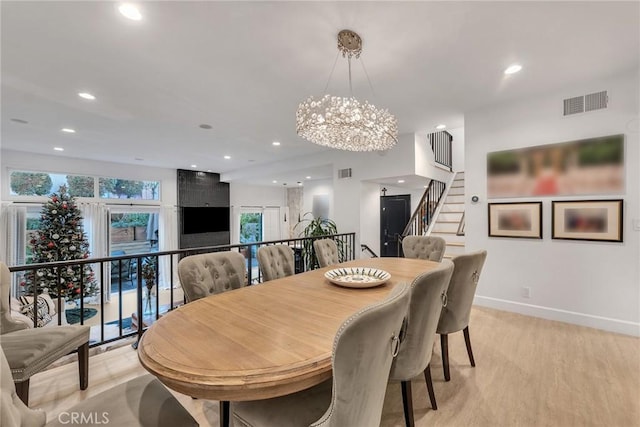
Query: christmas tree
point(61, 238)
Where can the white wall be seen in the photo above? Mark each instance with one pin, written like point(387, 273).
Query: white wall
point(589, 283)
point(457, 149)
point(256, 195)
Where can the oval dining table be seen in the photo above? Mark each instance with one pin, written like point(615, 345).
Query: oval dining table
point(264, 340)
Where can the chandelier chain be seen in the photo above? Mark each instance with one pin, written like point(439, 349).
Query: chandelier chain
point(331, 73)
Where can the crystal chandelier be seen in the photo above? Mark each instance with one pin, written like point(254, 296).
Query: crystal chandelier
point(346, 123)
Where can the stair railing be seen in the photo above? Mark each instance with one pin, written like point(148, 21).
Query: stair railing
point(365, 248)
point(424, 213)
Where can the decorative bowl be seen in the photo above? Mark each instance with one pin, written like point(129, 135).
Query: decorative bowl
point(357, 277)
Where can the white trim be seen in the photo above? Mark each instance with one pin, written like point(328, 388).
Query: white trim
point(599, 322)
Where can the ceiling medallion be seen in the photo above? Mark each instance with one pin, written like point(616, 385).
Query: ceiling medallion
point(346, 123)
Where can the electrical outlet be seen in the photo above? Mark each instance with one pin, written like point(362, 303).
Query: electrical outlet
point(636, 224)
point(526, 292)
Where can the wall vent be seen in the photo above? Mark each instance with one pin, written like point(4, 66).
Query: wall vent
point(590, 102)
point(595, 101)
point(344, 173)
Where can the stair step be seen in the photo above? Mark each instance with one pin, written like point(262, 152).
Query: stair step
point(454, 203)
point(444, 232)
point(459, 244)
point(457, 186)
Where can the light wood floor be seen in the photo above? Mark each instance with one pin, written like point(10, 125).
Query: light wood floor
point(529, 372)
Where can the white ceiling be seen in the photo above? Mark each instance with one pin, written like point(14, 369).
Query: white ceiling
point(243, 67)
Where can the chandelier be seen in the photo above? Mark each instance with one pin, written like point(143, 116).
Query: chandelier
point(346, 123)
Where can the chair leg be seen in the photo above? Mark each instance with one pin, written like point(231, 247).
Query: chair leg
point(427, 379)
point(467, 341)
point(83, 365)
point(22, 390)
point(224, 413)
point(444, 345)
point(407, 403)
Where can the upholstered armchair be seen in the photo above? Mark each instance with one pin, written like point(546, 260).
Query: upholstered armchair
point(212, 273)
point(143, 401)
point(275, 261)
point(424, 247)
point(427, 295)
point(29, 351)
point(326, 251)
point(363, 350)
point(455, 315)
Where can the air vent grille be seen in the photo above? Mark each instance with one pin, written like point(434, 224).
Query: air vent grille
point(574, 105)
point(584, 103)
point(595, 101)
point(344, 173)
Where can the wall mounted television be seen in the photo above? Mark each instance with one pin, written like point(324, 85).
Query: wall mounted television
point(204, 220)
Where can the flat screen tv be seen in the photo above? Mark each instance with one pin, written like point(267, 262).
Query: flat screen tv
point(204, 220)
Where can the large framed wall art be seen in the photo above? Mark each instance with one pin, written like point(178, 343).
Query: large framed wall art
point(515, 220)
point(586, 166)
point(593, 220)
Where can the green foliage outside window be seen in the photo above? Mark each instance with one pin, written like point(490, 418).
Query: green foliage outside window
point(30, 183)
point(80, 186)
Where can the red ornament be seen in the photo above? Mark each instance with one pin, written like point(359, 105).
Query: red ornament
point(50, 245)
point(54, 199)
point(85, 256)
point(77, 291)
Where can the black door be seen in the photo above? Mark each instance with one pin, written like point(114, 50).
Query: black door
point(395, 212)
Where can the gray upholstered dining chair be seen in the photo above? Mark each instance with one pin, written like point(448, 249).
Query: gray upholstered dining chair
point(142, 401)
point(363, 350)
point(424, 247)
point(326, 251)
point(427, 297)
point(455, 315)
point(29, 351)
point(275, 261)
point(211, 273)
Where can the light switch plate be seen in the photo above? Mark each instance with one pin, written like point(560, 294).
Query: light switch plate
point(636, 224)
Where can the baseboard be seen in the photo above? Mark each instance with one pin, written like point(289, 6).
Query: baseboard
point(598, 322)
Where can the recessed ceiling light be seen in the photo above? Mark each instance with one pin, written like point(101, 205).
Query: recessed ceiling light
point(276, 143)
point(208, 170)
point(194, 166)
point(24, 122)
point(205, 126)
point(441, 127)
point(274, 181)
point(299, 183)
point(58, 148)
point(130, 11)
point(401, 181)
point(86, 95)
point(227, 157)
point(308, 177)
point(513, 68)
point(68, 130)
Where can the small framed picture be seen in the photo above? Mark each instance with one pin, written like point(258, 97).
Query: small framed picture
point(515, 220)
point(595, 220)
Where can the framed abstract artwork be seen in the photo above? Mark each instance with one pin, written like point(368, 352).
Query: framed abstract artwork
point(515, 220)
point(595, 220)
point(586, 166)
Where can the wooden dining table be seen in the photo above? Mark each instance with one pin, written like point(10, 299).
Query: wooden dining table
point(264, 340)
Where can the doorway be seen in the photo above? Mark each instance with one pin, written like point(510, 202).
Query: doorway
point(395, 212)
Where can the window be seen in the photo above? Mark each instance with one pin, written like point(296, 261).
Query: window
point(24, 183)
point(116, 188)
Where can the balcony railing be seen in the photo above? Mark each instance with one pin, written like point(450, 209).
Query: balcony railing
point(131, 265)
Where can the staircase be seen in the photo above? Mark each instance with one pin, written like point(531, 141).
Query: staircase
point(449, 223)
